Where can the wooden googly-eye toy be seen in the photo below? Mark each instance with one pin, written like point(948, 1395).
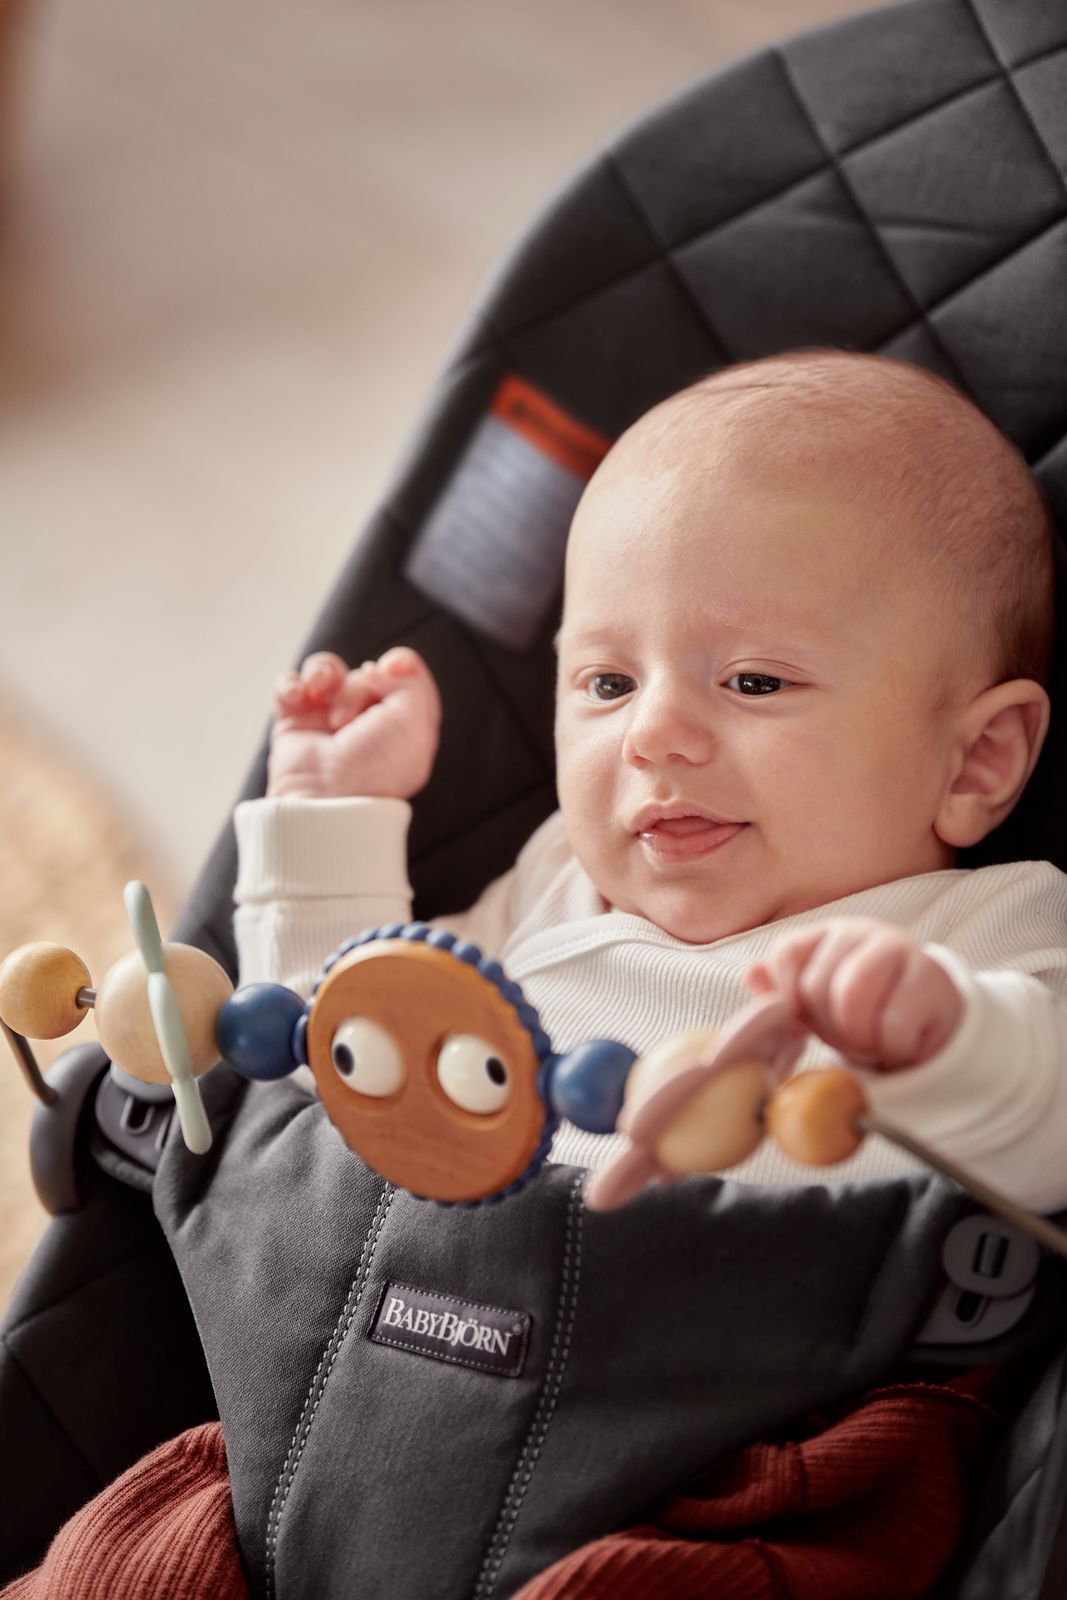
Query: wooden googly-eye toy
point(155, 1010)
point(429, 1062)
point(436, 1071)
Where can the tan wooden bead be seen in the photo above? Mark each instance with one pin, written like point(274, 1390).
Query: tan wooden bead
point(721, 1125)
point(813, 1116)
point(124, 1021)
point(38, 987)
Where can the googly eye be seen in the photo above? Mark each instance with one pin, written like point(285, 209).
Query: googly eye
point(366, 1057)
point(472, 1074)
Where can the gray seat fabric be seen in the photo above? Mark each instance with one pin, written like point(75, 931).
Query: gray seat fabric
point(895, 183)
point(658, 1340)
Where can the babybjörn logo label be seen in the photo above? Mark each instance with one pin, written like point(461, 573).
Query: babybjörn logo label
point(467, 1333)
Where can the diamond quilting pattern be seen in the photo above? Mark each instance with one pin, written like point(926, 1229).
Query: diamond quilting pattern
point(1008, 334)
point(870, 74)
point(1019, 29)
point(956, 192)
point(802, 270)
point(717, 151)
point(1042, 90)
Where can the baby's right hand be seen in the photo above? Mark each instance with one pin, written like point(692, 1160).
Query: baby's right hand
point(370, 731)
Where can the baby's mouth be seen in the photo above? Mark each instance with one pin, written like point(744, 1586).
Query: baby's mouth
point(686, 838)
point(682, 827)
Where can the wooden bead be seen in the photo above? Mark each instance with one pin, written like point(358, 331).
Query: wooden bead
point(722, 1123)
point(38, 987)
point(124, 1021)
point(813, 1116)
point(668, 1057)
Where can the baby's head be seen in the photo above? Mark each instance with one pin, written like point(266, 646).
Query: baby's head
point(807, 616)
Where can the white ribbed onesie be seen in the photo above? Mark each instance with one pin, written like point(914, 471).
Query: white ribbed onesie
point(313, 873)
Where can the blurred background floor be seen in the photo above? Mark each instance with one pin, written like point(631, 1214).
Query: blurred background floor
point(236, 239)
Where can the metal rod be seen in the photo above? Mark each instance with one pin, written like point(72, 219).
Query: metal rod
point(86, 998)
point(1046, 1233)
point(28, 1064)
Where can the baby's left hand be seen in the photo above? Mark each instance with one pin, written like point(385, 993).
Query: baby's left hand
point(866, 988)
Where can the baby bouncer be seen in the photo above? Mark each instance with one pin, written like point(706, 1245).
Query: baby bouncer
point(892, 183)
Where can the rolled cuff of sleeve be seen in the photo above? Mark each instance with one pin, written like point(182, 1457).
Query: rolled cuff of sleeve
point(296, 849)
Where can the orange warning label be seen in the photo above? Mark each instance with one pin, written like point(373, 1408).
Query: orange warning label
point(578, 449)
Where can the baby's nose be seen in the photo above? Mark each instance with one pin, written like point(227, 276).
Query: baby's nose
point(668, 721)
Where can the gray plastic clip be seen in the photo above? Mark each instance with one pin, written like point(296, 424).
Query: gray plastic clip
point(992, 1273)
point(135, 1124)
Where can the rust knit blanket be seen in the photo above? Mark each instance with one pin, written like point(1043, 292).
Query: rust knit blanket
point(871, 1502)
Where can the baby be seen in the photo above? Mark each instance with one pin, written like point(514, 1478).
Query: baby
point(807, 616)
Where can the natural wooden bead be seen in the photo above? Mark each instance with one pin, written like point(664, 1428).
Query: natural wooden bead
point(124, 1021)
point(38, 987)
point(668, 1057)
point(721, 1125)
point(813, 1116)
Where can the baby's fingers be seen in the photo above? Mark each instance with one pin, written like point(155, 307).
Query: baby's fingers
point(858, 991)
point(307, 693)
point(288, 694)
point(783, 964)
point(358, 690)
point(322, 674)
point(921, 1014)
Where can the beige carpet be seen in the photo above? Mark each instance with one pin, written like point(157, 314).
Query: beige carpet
point(64, 858)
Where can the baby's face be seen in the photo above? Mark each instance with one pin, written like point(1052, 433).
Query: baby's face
point(756, 698)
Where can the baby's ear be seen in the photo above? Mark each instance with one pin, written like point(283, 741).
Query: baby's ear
point(1000, 739)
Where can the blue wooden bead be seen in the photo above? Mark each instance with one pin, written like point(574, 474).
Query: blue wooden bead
point(587, 1084)
point(254, 1030)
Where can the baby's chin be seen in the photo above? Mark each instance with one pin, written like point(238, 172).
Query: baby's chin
point(689, 923)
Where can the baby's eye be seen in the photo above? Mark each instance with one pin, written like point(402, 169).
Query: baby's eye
point(751, 683)
point(610, 685)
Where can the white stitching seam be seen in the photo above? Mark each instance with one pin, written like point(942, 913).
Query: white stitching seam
point(557, 1366)
point(318, 1385)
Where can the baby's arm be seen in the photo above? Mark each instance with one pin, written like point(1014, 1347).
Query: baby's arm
point(974, 1063)
point(324, 854)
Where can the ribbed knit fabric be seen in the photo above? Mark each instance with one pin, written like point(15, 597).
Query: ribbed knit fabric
point(163, 1531)
point(873, 1505)
point(995, 1098)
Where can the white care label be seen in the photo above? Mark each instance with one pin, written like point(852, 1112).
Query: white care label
point(493, 545)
